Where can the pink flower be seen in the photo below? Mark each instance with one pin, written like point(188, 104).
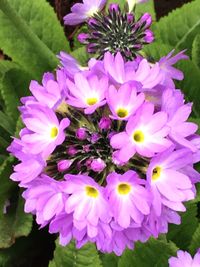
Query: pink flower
point(145, 134)
point(124, 102)
point(87, 93)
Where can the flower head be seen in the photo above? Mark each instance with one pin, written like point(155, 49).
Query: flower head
point(145, 134)
point(87, 93)
point(107, 153)
point(117, 32)
point(45, 132)
point(124, 102)
point(170, 186)
point(128, 199)
point(87, 203)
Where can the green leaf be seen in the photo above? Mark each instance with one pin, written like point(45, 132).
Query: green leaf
point(69, 256)
point(6, 185)
point(180, 27)
point(156, 50)
point(154, 253)
point(194, 245)
point(181, 234)
point(14, 223)
point(7, 123)
point(190, 84)
point(31, 34)
point(146, 7)
point(15, 84)
point(109, 260)
point(196, 50)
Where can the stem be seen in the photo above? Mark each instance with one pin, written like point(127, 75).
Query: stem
point(18, 22)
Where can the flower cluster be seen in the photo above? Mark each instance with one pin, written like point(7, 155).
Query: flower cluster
point(107, 153)
point(184, 259)
point(113, 31)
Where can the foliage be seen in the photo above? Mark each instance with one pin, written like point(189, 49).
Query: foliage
point(31, 36)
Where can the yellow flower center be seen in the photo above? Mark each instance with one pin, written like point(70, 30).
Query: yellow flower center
point(54, 132)
point(156, 173)
point(122, 112)
point(124, 189)
point(138, 136)
point(91, 101)
point(91, 191)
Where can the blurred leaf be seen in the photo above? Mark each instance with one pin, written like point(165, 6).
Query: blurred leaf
point(7, 185)
point(182, 234)
point(31, 35)
point(195, 242)
point(14, 223)
point(190, 84)
point(157, 50)
point(70, 256)
point(7, 123)
point(196, 50)
point(150, 254)
point(109, 260)
point(180, 27)
point(14, 85)
point(146, 7)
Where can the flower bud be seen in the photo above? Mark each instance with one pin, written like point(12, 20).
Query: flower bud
point(82, 37)
point(64, 165)
point(94, 138)
point(147, 19)
point(81, 134)
point(97, 165)
point(71, 151)
point(114, 7)
point(105, 123)
point(149, 37)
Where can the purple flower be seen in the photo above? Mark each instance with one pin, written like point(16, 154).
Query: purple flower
point(145, 73)
point(145, 134)
point(81, 12)
point(70, 64)
point(87, 93)
point(45, 198)
point(128, 199)
point(180, 129)
point(124, 102)
point(168, 184)
point(62, 224)
point(50, 92)
point(168, 71)
point(44, 130)
point(184, 259)
point(87, 202)
point(29, 169)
